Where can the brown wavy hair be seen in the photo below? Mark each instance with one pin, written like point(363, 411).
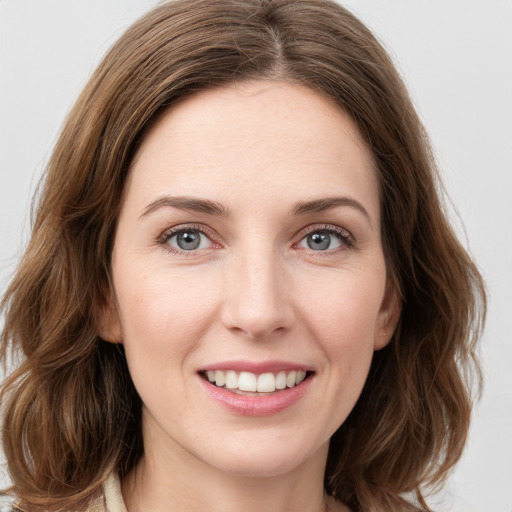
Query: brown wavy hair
point(70, 412)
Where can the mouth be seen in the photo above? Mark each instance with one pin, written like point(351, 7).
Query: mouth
point(256, 389)
point(255, 384)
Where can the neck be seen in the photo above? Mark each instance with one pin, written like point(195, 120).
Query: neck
point(175, 479)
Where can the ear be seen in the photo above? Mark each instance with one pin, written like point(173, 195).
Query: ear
point(389, 314)
point(109, 325)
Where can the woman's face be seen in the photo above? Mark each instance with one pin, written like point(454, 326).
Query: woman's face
point(248, 252)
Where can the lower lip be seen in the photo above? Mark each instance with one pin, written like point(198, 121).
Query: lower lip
point(256, 405)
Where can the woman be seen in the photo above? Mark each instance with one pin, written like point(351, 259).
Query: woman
point(241, 289)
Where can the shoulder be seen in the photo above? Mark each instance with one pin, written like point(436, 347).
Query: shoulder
point(113, 496)
point(110, 500)
point(10, 504)
point(7, 504)
point(97, 505)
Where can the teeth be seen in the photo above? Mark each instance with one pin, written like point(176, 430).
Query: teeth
point(231, 380)
point(291, 378)
point(247, 381)
point(266, 383)
point(281, 380)
point(220, 378)
point(250, 382)
point(301, 375)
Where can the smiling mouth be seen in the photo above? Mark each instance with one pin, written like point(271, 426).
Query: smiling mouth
point(248, 383)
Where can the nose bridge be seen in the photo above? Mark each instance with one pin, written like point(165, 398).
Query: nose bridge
point(256, 297)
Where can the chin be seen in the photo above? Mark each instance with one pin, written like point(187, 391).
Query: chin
point(261, 457)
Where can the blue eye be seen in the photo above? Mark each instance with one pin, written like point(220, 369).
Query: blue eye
point(189, 240)
point(323, 240)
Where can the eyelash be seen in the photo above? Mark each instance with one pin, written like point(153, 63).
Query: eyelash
point(343, 235)
point(164, 238)
point(346, 239)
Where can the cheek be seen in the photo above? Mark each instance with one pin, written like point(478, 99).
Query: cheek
point(344, 309)
point(162, 316)
point(342, 320)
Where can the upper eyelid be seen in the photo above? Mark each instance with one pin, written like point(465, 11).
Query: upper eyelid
point(216, 238)
point(169, 232)
point(166, 235)
point(206, 229)
point(312, 228)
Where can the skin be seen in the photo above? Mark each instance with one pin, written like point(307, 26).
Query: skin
point(254, 290)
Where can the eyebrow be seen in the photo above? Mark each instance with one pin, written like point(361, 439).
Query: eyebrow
point(194, 204)
point(214, 208)
point(328, 203)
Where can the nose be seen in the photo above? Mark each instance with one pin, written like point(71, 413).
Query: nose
point(257, 296)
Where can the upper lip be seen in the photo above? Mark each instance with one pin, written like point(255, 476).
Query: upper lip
point(256, 367)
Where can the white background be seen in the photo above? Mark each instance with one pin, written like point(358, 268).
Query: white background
point(456, 58)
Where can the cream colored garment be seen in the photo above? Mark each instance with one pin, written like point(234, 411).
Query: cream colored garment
point(112, 499)
point(113, 496)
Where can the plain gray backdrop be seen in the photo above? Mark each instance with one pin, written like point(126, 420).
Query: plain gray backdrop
point(456, 58)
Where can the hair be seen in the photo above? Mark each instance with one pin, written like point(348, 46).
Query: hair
point(71, 414)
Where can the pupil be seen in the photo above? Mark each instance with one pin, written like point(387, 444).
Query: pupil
point(319, 241)
point(188, 240)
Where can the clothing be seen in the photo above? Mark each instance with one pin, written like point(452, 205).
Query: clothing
point(111, 500)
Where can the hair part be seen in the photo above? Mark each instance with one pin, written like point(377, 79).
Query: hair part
point(71, 413)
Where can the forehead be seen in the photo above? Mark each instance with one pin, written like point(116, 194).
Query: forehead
point(226, 140)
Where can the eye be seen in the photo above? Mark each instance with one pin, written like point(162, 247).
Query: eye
point(325, 240)
point(188, 240)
